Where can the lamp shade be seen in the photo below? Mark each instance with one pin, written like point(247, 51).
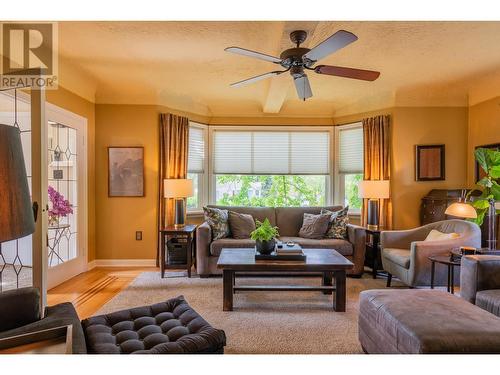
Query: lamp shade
point(16, 213)
point(461, 209)
point(177, 188)
point(373, 189)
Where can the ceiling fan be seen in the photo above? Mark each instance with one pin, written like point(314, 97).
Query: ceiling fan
point(297, 60)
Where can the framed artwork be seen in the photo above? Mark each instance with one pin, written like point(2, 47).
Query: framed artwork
point(429, 162)
point(479, 173)
point(125, 171)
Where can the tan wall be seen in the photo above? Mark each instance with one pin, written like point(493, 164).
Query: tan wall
point(421, 125)
point(430, 125)
point(484, 128)
point(76, 104)
point(117, 218)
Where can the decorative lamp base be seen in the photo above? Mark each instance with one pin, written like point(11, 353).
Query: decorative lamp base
point(372, 222)
point(180, 213)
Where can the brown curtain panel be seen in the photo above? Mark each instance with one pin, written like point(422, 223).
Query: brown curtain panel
point(377, 163)
point(174, 144)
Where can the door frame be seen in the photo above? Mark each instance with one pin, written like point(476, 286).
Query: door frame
point(64, 271)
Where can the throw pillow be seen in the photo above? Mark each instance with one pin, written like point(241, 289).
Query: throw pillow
point(337, 227)
point(435, 235)
point(241, 225)
point(314, 226)
point(218, 221)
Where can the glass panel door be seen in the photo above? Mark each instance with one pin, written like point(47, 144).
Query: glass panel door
point(62, 238)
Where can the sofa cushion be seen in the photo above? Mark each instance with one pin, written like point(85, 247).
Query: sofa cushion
point(424, 321)
point(164, 328)
point(400, 257)
point(435, 235)
point(218, 219)
point(289, 219)
point(314, 226)
point(337, 227)
point(217, 245)
point(258, 213)
point(241, 225)
point(344, 247)
point(489, 300)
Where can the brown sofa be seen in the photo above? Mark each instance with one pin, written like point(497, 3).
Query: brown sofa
point(289, 222)
point(433, 321)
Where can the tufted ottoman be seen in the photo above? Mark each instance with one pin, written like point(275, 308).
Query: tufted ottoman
point(164, 328)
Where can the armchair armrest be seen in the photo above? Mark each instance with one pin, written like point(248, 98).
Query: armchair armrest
point(203, 240)
point(479, 272)
point(356, 235)
point(19, 307)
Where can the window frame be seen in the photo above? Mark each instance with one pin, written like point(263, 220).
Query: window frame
point(339, 180)
point(203, 184)
point(273, 128)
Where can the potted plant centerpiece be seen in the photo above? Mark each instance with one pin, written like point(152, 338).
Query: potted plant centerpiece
point(265, 236)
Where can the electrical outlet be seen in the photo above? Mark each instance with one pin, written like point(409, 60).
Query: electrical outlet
point(138, 235)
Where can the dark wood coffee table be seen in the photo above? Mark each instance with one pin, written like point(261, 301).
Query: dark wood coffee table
point(327, 262)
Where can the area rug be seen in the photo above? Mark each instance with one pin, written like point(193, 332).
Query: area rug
point(262, 322)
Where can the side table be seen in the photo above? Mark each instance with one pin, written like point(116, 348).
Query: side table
point(372, 253)
point(451, 264)
point(187, 231)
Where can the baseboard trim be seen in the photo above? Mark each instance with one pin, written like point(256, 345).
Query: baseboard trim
point(91, 265)
point(124, 263)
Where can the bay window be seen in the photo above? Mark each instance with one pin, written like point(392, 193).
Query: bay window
point(349, 166)
point(197, 166)
point(271, 167)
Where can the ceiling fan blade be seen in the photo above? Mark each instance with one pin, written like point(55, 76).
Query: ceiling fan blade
point(256, 55)
point(303, 87)
point(337, 41)
point(365, 75)
point(257, 78)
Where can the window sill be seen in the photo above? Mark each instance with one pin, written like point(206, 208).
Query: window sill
point(195, 213)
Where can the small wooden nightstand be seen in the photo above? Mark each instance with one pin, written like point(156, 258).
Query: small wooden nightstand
point(372, 254)
point(188, 231)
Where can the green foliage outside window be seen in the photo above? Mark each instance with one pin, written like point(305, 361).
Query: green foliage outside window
point(271, 191)
point(351, 190)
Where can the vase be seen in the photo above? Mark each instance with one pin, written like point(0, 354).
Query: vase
point(265, 247)
point(53, 221)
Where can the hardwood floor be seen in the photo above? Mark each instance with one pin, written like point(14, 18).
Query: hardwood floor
point(90, 290)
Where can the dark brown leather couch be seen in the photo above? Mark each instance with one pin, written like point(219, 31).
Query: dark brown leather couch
point(431, 321)
point(289, 221)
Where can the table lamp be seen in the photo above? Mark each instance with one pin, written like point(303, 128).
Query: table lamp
point(16, 212)
point(178, 189)
point(373, 191)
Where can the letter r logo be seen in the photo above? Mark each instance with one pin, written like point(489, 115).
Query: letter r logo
point(27, 47)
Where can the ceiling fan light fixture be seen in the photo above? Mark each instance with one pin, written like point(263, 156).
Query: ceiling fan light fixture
point(297, 59)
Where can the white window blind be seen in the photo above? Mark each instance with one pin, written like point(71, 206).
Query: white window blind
point(196, 153)
point(271, 152)
point(351, 150)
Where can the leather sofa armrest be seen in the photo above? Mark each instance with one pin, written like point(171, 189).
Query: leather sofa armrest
point(356, 235)
point(479, 272)
point(19, 307)
point(203, 240)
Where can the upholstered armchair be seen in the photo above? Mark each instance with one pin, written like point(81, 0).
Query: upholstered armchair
point(480, 281)
point(405, 253)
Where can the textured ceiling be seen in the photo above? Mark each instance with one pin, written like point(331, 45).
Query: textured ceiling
point(183, 64)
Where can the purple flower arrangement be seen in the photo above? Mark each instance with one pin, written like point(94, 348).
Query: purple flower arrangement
point(60, 206)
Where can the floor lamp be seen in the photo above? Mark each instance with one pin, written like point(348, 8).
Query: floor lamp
point(16, 211)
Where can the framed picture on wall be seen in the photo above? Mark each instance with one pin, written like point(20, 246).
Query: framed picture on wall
point(126, 171)
point(429, 162)
point(479, 173)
